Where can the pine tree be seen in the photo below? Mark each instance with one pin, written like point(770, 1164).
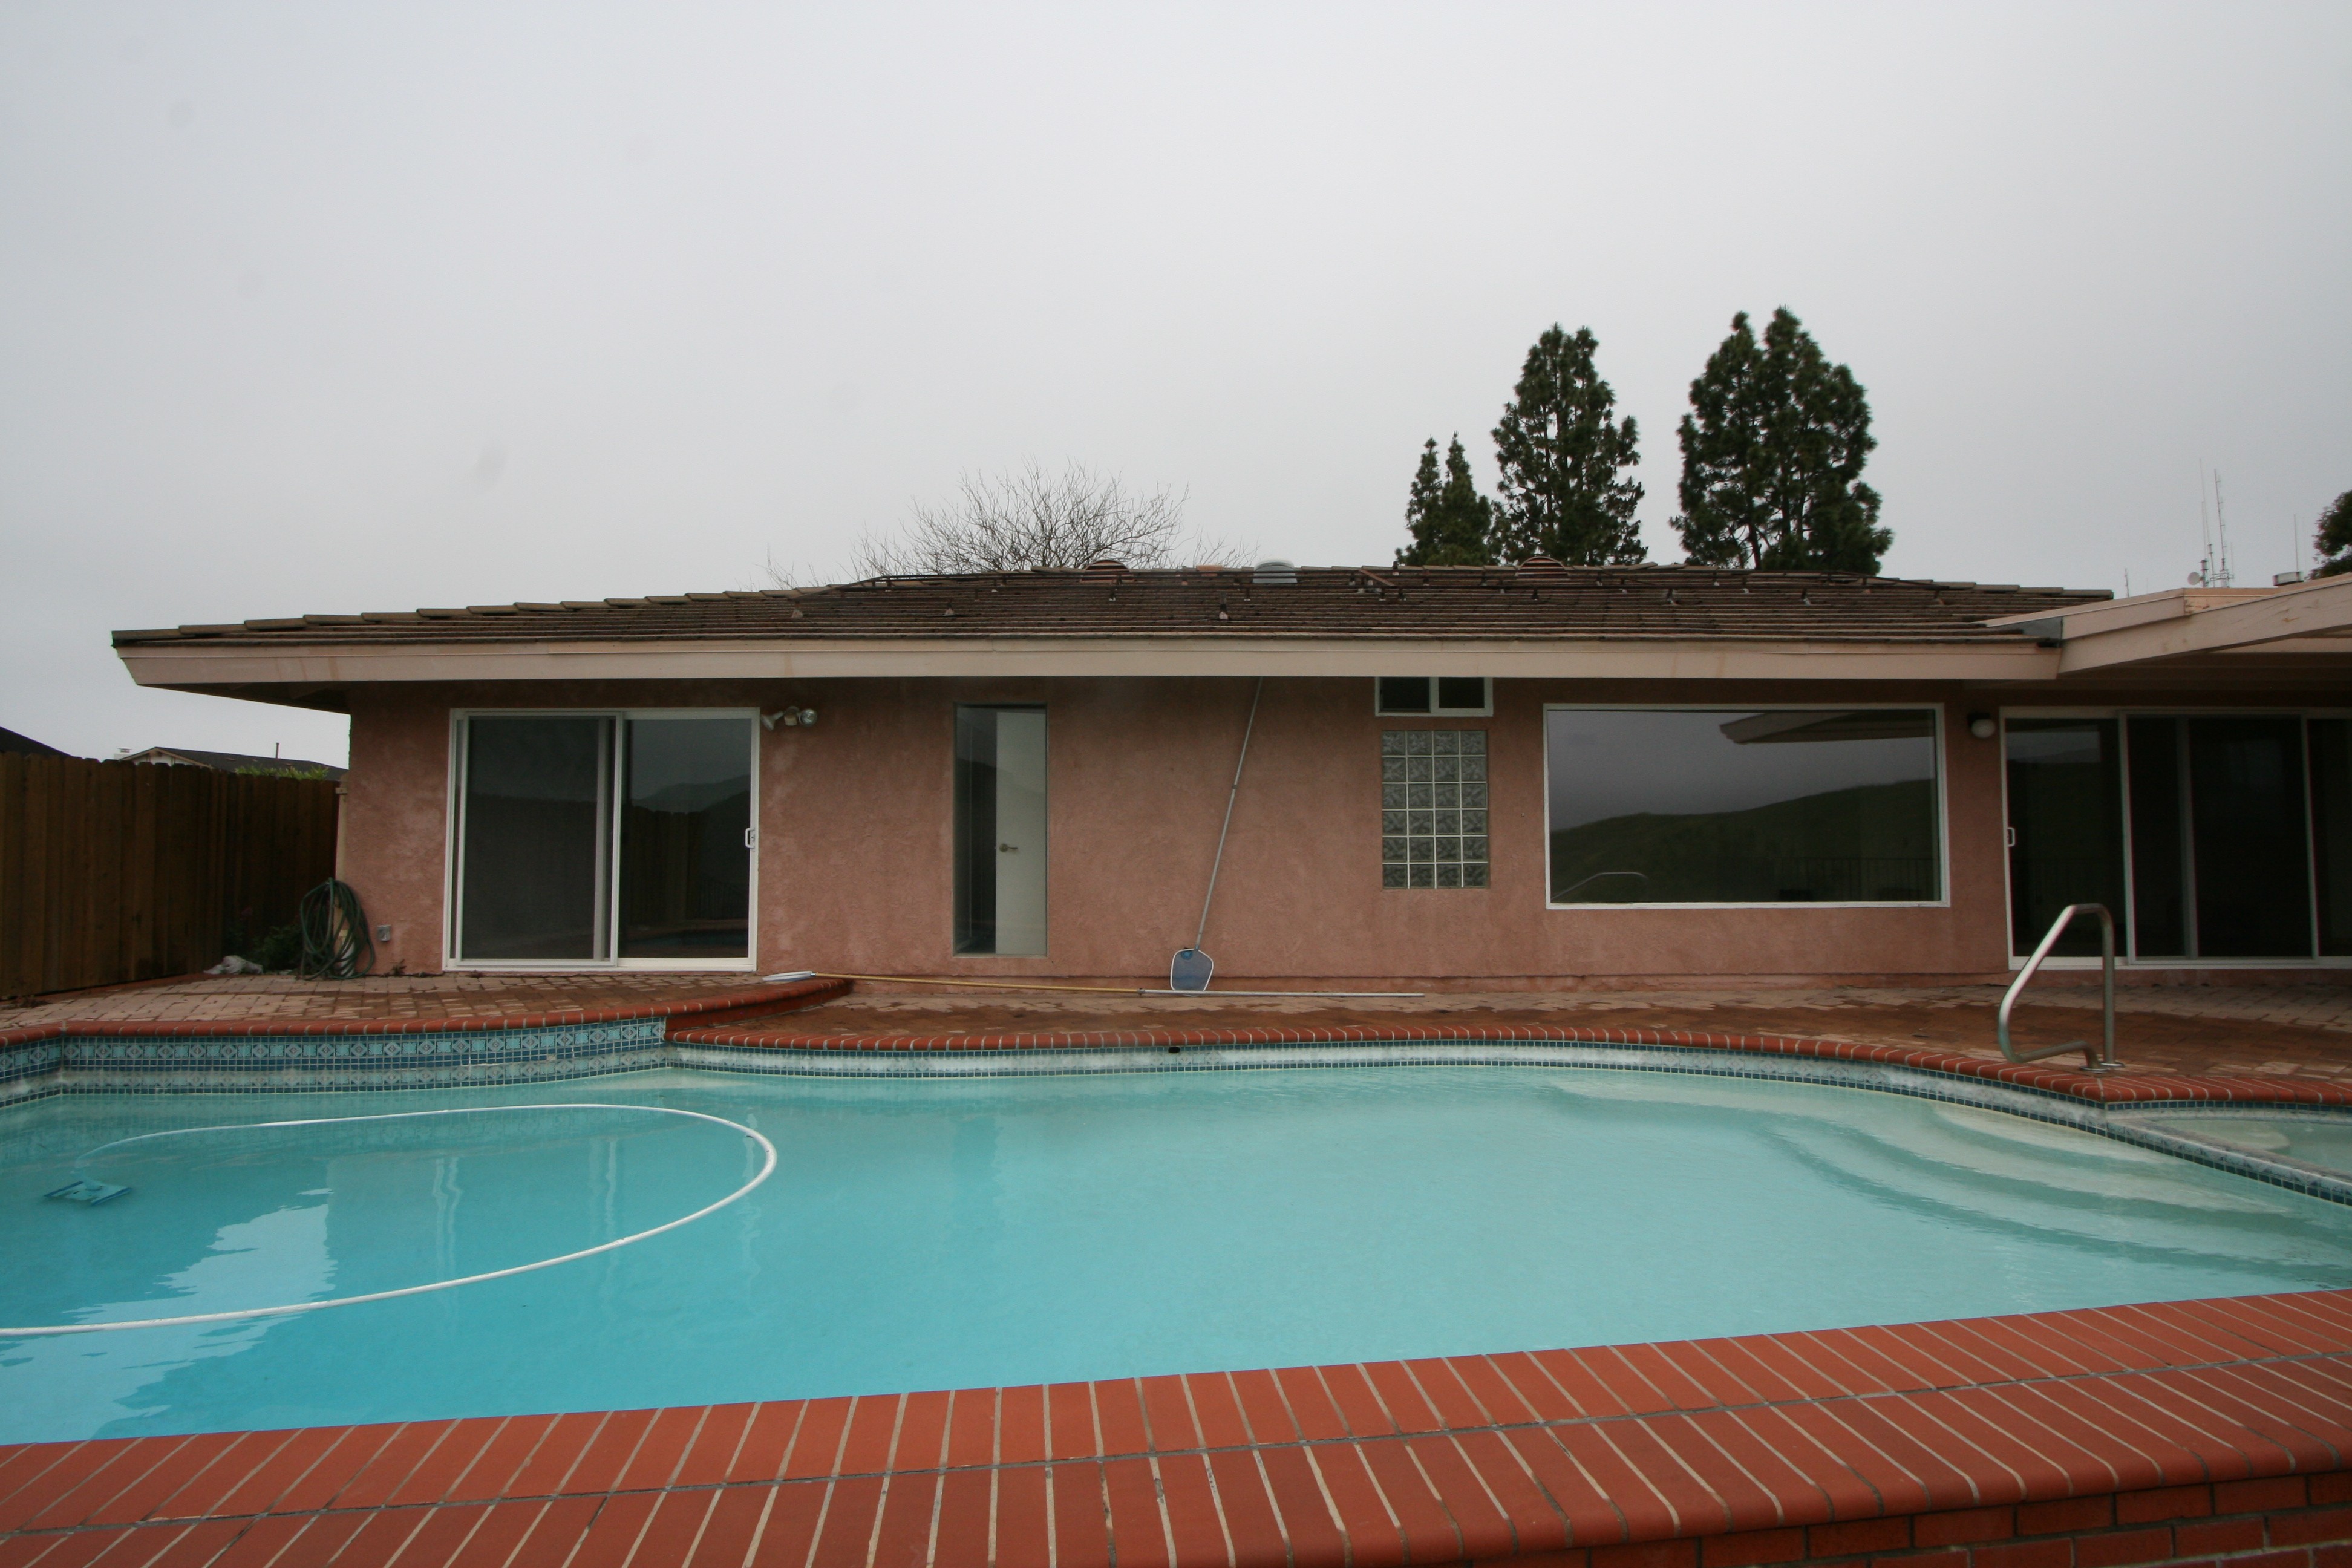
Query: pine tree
point(1563, 492)
point(1452, 524)
point(2334, 539)
point(1772, 455)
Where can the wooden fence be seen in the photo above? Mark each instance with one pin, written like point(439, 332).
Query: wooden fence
point(117, 871)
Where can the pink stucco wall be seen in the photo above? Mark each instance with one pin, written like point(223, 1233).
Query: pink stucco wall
point(855, 868)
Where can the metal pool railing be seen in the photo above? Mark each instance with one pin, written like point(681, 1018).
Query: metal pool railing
point(2098, 1059)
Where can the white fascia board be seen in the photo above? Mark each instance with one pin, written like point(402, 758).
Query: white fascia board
point(2307, 610)
point(170, 664)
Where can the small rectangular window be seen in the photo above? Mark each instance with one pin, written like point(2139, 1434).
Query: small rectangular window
point(1000, 830)
point(1444, 696)
point(1432, 808)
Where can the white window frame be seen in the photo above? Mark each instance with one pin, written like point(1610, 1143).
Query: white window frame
point(453, 853)
point(1943, 805)
point(1485, 709)
point(2128, 918)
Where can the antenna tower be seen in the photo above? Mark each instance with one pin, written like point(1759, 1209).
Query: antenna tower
point(2224, 577)
point(2203, 577)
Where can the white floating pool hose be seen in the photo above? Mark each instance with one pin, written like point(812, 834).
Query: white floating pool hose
point(767, 1168)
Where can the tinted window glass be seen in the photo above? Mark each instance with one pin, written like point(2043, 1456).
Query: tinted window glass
point(686, 874)
point(2159, 836)
point(1460, 692)
point(535, 820)
point(2246, 816)
point(1404, 694)
point(2066, 810)
point(1743, 806)
point(2331, 814)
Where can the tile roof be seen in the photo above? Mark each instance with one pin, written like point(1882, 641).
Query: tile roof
point(1530, 601)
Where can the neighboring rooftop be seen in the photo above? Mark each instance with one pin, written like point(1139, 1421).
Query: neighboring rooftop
point(11, 741)
point(1535, 600)
point(230, 762)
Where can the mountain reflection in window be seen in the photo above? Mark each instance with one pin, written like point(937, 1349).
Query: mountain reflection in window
point(1743, 806)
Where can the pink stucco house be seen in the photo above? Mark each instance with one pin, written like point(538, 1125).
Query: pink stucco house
point(1468, 777)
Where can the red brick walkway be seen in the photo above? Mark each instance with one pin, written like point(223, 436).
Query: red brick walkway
point(2136, 1424)
point(2302, 1033)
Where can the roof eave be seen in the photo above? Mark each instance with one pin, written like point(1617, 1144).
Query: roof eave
point(216, 664)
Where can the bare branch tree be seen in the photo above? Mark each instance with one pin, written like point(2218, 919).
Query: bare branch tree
point(772, 577)
point(1018, 520)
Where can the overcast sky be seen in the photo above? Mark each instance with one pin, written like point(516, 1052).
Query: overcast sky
point(332, 308)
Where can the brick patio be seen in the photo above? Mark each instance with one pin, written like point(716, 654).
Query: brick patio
point(2293, 1032)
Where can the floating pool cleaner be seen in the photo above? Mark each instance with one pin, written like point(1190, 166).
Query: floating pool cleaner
point(86, 1191)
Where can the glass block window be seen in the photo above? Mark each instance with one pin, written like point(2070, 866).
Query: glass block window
point(1432, 808)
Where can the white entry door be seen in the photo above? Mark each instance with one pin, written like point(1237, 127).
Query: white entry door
point(1000, 830)
point(1021, 830)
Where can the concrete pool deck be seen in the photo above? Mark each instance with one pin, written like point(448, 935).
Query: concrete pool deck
point(2210, 1432)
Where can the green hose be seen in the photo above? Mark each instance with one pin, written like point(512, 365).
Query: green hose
point(335, 944)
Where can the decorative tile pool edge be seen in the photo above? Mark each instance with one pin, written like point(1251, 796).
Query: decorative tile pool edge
point(88, 1061)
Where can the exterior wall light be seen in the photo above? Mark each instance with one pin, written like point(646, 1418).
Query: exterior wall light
point(1984, 726)
point(790, 718)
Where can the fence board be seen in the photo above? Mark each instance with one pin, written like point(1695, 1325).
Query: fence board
point(117, 871)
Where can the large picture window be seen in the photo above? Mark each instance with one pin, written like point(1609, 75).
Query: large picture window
point(1743, 805)
point(604, 838)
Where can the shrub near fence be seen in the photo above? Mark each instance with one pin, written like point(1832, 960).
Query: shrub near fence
point(117, 871)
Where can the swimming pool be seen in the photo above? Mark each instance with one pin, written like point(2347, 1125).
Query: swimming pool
point(920, 1233)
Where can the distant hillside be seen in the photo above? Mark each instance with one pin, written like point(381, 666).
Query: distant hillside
point(1870, 843)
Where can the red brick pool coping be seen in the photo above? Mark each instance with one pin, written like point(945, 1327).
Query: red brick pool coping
point(2196, 1430)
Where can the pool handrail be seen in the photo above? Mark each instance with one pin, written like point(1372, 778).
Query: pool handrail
point(2100, 1058)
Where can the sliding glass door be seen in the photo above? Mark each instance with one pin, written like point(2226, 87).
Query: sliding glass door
point(604, 838)
point(535, 816)
point(2236, 830)
point(2065, 826)
point(686, 836)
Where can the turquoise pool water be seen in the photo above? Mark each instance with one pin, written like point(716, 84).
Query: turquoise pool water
point(929, 1233)
point(2316, 1137)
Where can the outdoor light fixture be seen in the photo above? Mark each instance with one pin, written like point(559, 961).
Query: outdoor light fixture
point(790, 718)
point(1982, 727)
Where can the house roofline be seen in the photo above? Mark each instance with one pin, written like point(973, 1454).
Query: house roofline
point(200, 665)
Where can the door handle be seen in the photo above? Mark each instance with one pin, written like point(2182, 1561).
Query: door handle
point(1008, 849)
point(751, 838)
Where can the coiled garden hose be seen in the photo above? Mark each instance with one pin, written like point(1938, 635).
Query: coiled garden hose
point(335, 944)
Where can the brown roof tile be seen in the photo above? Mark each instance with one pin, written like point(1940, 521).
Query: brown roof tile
point(1455, 602)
